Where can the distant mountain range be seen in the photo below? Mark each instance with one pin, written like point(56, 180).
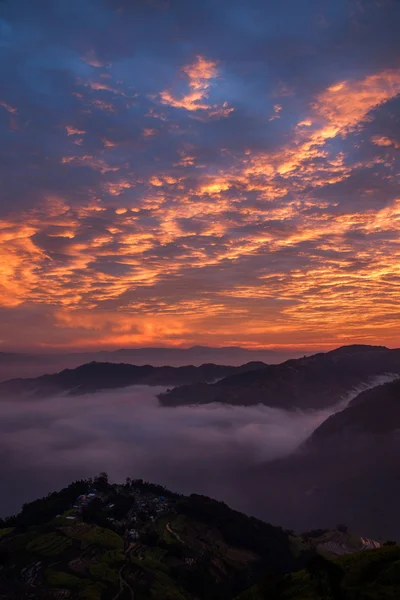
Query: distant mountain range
point(32, 365)
point(93, 377)
point(312, 382)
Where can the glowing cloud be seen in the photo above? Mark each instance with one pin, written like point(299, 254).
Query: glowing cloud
point(213, 188)
point(200, 73)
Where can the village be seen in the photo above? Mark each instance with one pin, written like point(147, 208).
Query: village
point(127, 509)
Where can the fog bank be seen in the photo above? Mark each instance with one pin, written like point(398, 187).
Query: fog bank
point(205, 448)
point(44, 444)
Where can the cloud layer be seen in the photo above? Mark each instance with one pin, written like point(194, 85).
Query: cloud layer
point(222, 173)
point(206, 449)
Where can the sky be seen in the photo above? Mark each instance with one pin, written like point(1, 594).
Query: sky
point(220, 173)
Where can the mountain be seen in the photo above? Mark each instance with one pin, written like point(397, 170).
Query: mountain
point(312, 382)
point(31, 365)
point(372, 575)
point(94, 539)
point(99, 541)
point(94, 376)
point(374, 412)
point(347, 471)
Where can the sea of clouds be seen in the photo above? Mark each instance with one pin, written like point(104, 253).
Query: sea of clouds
point(204, 449)
point(44, 444)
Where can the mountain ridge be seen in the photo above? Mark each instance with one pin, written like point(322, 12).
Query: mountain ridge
point(35, 364)
point(317, 381)
point(96, 376)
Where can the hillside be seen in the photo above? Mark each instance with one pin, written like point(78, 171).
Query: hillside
point(370, 575)
point(345, 472)
point(373, 412)
point(317, 381)
point(139, 539)
point(97, 376)
point(99, 541)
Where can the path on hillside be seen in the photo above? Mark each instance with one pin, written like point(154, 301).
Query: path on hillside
point(122, 584)
point(172, 532)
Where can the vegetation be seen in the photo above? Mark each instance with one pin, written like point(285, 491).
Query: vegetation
point(366, 575)
point(106, 538)
point(195, 549)
point(5, 531)
point(42, 510)
point(50, 544)
point(59, 579)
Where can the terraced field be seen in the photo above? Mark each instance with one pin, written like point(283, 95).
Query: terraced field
point(49, 545)
point(335, 543)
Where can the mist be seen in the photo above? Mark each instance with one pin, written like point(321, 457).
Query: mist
point(45, 444)
point(206, 449)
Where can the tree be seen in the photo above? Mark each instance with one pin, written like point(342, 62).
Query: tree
point(94, 513)
point(390, 543)
point(272, 586)
point(327, 577)
point(101, 481)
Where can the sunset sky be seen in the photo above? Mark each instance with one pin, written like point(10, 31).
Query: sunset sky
point(220, 172)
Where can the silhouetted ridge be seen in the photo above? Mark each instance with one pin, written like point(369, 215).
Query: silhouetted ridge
point(96, 376)
point(316, 381)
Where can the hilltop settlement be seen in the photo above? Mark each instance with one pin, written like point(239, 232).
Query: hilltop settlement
point(138, 541)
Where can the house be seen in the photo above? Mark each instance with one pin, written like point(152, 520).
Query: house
point(133, 535)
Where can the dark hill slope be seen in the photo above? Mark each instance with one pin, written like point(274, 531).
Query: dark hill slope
point(369, 575)
point(346, 472)
point(371, 413)
point(95, 376)
point(318, 381)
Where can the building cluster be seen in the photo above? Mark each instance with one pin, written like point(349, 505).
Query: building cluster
point(80, 503)
point(145, 506)
point(149, 503)
point(84, 500)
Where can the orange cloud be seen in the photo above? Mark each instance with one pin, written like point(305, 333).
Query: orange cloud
point(71, 130)
point(384, 141)
point(108, 143)
point(200, 73)
point(327, 297)
point(91, 59)
point(99, 85)
point(337, 111)
point(8, 107)
point(200, 252)
point(98, 164)
point(117, 188)
point(348, 103)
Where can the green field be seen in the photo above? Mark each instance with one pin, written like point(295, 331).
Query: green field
point(49, 545)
